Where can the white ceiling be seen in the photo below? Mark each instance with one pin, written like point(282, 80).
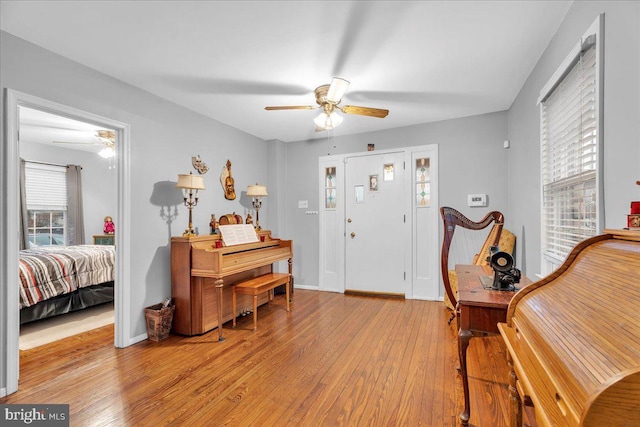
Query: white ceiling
point(423, 60)
point(45, 128)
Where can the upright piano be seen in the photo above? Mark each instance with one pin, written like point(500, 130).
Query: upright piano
point(202, 275)
point(574, 338)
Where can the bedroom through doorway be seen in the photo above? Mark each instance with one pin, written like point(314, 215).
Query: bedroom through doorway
point(68, 177)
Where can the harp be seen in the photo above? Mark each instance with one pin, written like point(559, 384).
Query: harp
point(453, 218)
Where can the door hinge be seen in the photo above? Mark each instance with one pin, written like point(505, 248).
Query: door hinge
point(405, 218)
point(405, 275)
point(404, 165)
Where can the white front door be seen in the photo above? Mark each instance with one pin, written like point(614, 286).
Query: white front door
point(375, 229)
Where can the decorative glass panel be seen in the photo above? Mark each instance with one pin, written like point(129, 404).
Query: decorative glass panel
point(388, 172)
point(330, 188)
point(330, 178)
point(423, 182)
point(423, 194)
point(330, 202)
point(422, 170)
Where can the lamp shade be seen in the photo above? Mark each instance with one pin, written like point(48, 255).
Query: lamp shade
point(257, 190)
point(190, 181)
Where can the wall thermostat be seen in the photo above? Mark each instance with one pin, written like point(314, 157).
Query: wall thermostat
point(477, 200)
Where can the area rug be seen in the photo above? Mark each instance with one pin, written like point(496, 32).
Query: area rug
point(42, 332)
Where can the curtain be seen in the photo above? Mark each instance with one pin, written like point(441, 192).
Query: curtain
point(75, 213)
point(24, 216)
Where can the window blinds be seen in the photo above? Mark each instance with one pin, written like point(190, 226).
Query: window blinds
point(569, 142)
point(46, 186)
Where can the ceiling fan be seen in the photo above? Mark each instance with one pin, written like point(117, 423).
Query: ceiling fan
point(106, 138)
point(328, 98)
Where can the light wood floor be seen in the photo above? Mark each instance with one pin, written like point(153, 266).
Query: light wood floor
point(335, 360)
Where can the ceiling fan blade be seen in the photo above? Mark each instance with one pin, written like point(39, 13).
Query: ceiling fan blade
point(76, 142)
point(291, 107)
point(337, 90)
point(364, 111)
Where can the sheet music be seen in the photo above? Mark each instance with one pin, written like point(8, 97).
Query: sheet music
point(238, 234)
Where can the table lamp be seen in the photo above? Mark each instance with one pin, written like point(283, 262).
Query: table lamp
point(188, 183)
point(257, 192)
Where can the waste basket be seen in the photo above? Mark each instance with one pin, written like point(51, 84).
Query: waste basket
point(159, 319)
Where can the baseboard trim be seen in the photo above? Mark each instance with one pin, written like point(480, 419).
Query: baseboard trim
point(392, 295)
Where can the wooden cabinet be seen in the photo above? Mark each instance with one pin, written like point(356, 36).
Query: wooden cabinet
point(104, 239)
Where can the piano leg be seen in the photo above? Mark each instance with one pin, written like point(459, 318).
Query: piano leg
point(463, 343)
point(219, 284)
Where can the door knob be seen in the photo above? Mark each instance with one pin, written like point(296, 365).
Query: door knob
point(349, 220)
point(353, 234)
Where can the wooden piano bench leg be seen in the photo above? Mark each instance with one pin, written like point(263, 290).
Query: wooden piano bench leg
point(233, 305)
point(255, 312)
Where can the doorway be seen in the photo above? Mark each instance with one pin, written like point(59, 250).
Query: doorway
point(10, 246)
point(394, 248)
point(375, 207)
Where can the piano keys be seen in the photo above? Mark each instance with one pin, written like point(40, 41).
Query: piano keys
point(201, 273)
point(574, 338)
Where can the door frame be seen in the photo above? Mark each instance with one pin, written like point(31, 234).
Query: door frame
point(423, 279)
point(9, 248)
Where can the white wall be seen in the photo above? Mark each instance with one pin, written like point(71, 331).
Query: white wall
point(471, 160)
point(621, 122)
point(164, 136)
point(98, 181)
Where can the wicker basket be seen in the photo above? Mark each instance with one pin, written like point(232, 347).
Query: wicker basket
point(159, 320)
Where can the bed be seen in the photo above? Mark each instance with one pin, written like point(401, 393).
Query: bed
point(57, 280)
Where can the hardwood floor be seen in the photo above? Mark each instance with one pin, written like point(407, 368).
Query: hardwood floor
point(335, 360)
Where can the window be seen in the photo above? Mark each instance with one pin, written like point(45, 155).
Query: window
point(46, 191)
point(570, 151)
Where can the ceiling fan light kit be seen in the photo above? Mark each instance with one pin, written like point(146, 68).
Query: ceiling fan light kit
point(328, 97)
point(326, 121)
point(106, 138)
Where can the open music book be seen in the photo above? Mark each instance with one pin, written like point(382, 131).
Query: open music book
point(238, 234)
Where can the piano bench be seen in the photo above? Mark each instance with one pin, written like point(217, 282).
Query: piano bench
point(258, 285)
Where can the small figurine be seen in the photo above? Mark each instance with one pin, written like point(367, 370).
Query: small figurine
point(213, 224)
point(109, 226)
point(249, 219)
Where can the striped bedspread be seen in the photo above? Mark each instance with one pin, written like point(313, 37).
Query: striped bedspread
point(46, 272)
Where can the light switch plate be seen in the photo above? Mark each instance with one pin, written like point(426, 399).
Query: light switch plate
point(303, 204)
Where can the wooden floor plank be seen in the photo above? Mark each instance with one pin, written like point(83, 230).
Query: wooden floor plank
point(334, 360)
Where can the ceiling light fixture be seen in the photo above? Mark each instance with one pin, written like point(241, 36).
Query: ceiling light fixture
point(328, 120)
point(107, 153)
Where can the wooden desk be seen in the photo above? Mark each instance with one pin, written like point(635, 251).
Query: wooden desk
point(479, 312)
